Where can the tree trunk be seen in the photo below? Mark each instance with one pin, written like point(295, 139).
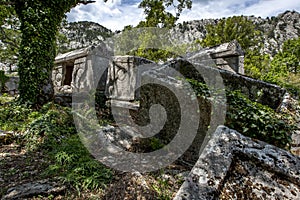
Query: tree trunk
point(40, 20)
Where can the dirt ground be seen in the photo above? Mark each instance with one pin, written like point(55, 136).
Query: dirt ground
point(19, 166)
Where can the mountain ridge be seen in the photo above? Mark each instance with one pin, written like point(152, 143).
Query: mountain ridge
point(276, 30)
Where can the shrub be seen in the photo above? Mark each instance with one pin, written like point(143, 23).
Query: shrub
point(74, 164)
point(253, 119)
point(15, 117)
point(257, 121)
point(50, 125)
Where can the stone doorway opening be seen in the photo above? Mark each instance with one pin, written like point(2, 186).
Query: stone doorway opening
point(69, 67)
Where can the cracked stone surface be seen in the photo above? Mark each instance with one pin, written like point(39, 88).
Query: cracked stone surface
point(233, 166)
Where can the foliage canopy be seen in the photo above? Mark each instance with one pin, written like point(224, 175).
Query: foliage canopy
point(9, 36)
point(232, 28)
point(157, 14)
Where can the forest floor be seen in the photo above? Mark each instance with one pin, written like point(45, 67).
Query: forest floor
point(19, 167)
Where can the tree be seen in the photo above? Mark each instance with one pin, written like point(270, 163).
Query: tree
point(232, 28)
point(291, 51)
point(285, 67)
point(39, 22)
point(156, 14)
point(285, 63)
point(243, 30)
point(256, 64)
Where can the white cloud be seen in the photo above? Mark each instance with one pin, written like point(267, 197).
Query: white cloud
point(115, 14)
point(272, 7)
point(219, 9)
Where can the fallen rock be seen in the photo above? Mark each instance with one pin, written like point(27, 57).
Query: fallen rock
point(42, 187)
point(233, 166)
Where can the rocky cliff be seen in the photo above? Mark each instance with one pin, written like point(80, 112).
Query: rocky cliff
point(77, 35)
point(276, 30)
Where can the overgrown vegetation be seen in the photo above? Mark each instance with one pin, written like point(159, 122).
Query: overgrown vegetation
point(232, 28)
point(51, 130)
point(257, 121)
point(72, 161)
point(3, 80)
point(253, 119)
point(283, 69)
point(157, 16)
point(9, 35)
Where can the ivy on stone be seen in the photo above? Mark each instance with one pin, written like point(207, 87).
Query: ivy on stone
point(40, 21)
point(39, 26)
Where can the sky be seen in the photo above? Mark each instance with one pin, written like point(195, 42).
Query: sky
point(115, 14)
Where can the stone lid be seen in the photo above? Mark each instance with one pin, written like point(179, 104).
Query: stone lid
point(72, 55)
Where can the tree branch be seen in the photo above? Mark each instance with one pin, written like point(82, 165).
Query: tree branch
point(85, 2)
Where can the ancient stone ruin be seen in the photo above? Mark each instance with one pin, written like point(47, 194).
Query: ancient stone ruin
point(123, 80)
point(233, 166)
point(230, 166)
point(228, 56)
point(124, 75)
point(70, 74)
point(68, 69)
point(71, 66)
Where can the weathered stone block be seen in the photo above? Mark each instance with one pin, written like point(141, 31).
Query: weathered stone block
point(233, 166)
point(256, 90)
point(12, 85)
point(27, 190)
point(123, 77)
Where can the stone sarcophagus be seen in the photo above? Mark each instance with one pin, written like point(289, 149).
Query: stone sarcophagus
point(123, 77)
point(68, 70)
point(228, 56)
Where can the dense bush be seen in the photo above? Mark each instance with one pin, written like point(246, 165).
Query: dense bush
point(257, 121)
point(15, 117)
point(50, 125)
point(253, 119)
